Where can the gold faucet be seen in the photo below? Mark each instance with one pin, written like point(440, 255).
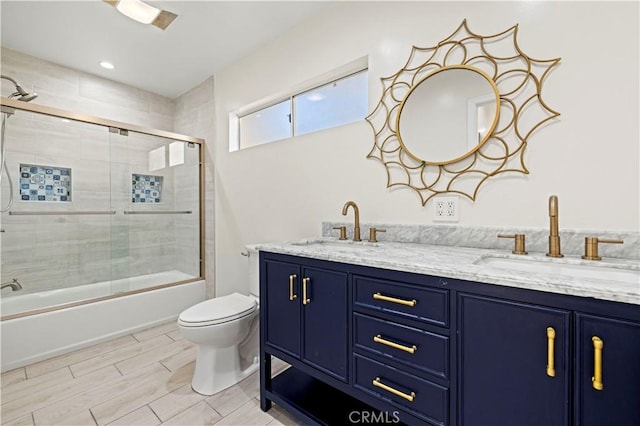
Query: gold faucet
point(356, 227)
point(554, 237)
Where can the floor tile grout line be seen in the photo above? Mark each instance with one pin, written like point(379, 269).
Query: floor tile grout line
point(73, 376)
point(232, 411)
point(178, 413)
point(103, 352)
point(105, 384)
point(162, 364)
point(72, 395)
point(135, 338)
point(253, 399)
point(154, 413)
point(128, 357)
point(38, 386)
point(213, 408)
point(24, 372)
point(93, 417)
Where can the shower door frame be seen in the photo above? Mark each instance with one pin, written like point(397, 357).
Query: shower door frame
point(10, 105)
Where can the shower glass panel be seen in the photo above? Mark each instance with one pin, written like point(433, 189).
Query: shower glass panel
point(97, 211)
point(155, 190)
point(57, 233)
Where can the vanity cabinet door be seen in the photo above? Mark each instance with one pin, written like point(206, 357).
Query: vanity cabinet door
point(503, 375)
point(609, 349)
point(283, 301)
point(325, 334)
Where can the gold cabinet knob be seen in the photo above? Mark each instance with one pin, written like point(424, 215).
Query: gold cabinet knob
point(373, 234)
point(519, 244)
point(343, 232)
point(591, 246)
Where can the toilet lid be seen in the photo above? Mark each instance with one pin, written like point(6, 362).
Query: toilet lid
point(218, 310)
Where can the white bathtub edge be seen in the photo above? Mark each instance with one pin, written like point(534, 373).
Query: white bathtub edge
point(80, 345)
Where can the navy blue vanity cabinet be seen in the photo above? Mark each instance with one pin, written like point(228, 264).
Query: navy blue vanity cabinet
point(513, 363)
point(607, 381)
point(304, 316)
point(324, 311)
point(307, 314)
point(280, 299)
point(415, 349)
point(401, 343)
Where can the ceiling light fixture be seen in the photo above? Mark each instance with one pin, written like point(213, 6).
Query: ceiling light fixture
point(107, 65)
point(138, 10)
point(144, 12)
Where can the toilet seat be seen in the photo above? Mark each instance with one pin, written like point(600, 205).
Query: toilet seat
point(218, 310)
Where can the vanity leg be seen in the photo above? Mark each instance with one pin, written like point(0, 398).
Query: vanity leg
point(265, 380)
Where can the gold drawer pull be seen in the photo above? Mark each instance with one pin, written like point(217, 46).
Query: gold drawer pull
point(379, 296)
point(292, 296)
point(379, 384)
point(551, 336)
point(597, 363)
point(379, 339)
point(305, 299)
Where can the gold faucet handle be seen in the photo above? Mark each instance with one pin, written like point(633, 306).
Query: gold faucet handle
point(519, 247)
point(343, 232)
point(591, 246)
point(373, 234)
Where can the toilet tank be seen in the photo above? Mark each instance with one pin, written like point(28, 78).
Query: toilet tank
point(254, 271)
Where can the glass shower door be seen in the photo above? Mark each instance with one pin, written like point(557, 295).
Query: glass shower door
point(56, 234)
point(155, 190)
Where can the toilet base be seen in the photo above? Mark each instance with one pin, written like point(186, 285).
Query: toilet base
point(217, 369)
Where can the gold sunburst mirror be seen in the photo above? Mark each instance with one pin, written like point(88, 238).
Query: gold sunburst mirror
point(459, 113)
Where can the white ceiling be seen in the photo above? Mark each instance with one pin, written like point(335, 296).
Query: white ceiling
point(206, 37)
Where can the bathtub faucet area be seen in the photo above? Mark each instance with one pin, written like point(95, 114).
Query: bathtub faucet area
point(14, 284)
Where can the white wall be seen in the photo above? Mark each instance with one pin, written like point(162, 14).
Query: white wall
point(588, 157)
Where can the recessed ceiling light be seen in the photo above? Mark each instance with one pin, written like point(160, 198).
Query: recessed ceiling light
point(106, 64)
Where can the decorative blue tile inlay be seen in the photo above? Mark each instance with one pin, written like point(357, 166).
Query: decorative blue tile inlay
point(45, 183)
point(145, 188)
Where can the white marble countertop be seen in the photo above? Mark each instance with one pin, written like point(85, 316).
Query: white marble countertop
point(598, 279)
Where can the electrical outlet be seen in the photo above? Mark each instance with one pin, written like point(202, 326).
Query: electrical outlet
point(446, 209)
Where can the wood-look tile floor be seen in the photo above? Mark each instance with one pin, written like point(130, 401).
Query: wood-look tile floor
point(139, 379)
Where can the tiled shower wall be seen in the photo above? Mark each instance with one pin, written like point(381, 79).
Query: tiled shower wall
point(194, 115)
point(48, 252)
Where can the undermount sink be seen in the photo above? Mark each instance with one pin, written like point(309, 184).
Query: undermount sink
point(606, 272)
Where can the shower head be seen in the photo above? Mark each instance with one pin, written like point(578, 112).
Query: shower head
point(20, 93)
point(26, 97)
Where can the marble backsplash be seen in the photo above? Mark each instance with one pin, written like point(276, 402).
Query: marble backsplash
point(537, 239)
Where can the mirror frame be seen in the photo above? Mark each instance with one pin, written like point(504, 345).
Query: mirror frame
point(502, 149)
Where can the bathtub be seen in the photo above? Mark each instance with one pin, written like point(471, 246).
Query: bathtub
point(32, 338)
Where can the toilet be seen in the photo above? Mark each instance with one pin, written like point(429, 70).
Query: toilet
point(226, 331)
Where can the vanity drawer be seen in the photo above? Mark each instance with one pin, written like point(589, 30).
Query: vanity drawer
point(419, 349)
point(417, 396)
point(419, 303)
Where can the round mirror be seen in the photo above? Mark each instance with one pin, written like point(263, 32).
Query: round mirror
point(448, 115)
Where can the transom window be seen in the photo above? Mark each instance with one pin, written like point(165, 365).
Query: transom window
point(341, 101)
